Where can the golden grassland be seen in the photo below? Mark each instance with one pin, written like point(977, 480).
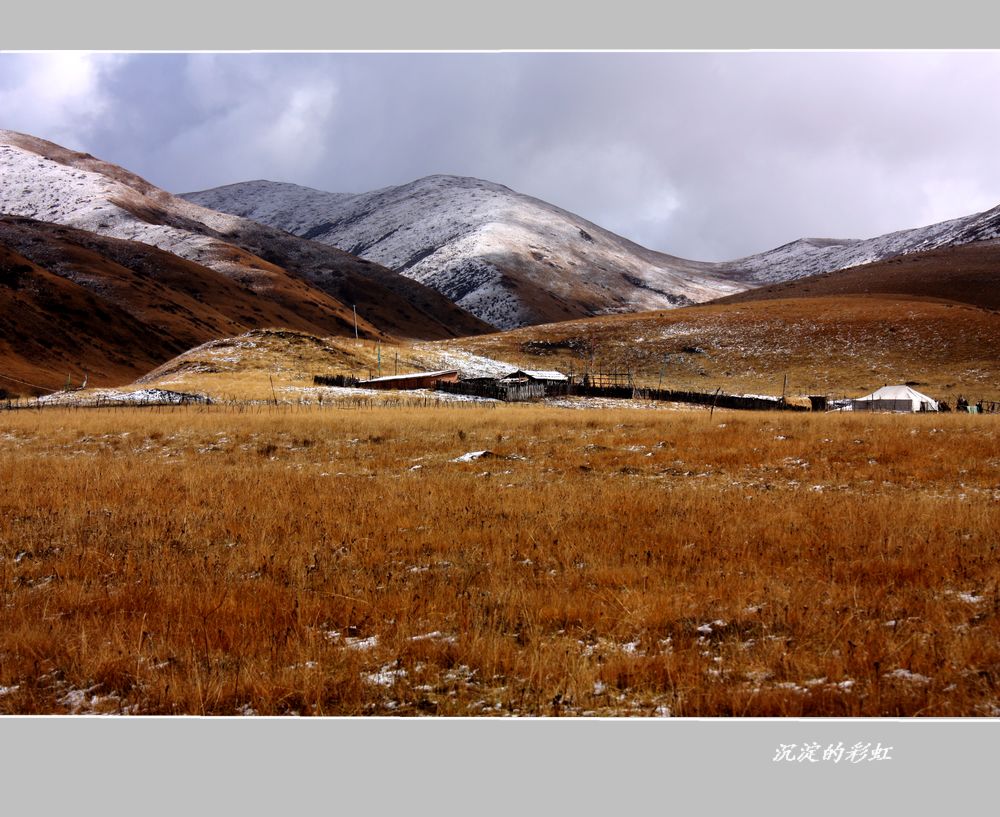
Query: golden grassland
point(840, 346)
point(326, 561)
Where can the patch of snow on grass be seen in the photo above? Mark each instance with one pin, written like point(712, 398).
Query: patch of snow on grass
point(362, 643)
point(467, 363)
point(351, 642)
point(435, 636)
point(84, 701)
point(386, 676)
point(901, 674)
point(706, 629)
point(473, 455)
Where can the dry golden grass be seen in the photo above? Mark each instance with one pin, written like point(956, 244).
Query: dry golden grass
point(329, 561)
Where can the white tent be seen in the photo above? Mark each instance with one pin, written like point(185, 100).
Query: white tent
point(894, 398)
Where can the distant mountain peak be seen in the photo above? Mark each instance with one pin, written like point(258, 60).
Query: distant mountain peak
point(508, 258)
point(513, 259)
point(813, 256)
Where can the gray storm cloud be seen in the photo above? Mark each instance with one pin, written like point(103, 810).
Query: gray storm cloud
point(703, 155)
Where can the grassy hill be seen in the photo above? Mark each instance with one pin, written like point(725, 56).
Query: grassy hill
point(831, 344)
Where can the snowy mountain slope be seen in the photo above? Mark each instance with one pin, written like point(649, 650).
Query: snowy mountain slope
point(44, 181)
point(966, 273)
point(508, 258)
point(812, 256)
point(514, 260)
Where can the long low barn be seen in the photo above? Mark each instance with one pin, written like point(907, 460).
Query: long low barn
point(416, 380)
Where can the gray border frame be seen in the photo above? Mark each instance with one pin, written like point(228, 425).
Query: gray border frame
point(484, 766)
point(378, 25)
point(491, 766)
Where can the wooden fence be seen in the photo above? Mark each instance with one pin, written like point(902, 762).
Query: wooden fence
point(604, 380)
point(338, 380)
point(498, 390)
point(712, 399)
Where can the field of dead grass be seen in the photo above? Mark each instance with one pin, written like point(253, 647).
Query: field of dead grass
point(325, 561)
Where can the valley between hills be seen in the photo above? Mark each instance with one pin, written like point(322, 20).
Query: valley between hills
point(274, 546)
point(106, 278)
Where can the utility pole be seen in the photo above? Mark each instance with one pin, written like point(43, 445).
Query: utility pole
point(355, 308)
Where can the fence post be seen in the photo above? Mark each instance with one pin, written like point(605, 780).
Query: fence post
point(712, 410)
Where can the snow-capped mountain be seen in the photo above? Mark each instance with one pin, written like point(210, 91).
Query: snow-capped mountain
point(811, 256)
point(966, 273)
point(46, 182)
point(442, 256)
point(508, 258)
point(514, 260)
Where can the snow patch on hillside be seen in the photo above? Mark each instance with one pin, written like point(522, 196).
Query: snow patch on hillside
point(467, 364)
point(139, 397)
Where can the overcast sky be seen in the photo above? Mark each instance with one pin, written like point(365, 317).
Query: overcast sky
point(708, 156)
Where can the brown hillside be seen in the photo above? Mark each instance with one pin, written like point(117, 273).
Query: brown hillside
point(302, 275)
point(165, 288)
point(845, 345)
point(75, 301)
point(52, 328)
point(969, 274)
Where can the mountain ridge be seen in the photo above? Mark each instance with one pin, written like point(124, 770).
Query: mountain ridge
point(813, 256)
point(515, 260)
point(50, 183)
point(510, 258)
point(961, 274)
